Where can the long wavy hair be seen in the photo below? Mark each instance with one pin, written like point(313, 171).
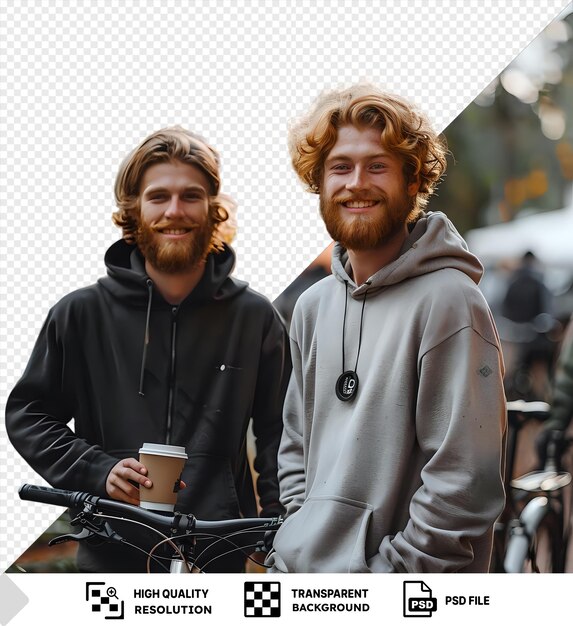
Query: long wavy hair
point(403, 130)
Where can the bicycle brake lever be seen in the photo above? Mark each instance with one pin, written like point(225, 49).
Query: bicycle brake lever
point(90, 529)
point(105, 531)
point(83, 534)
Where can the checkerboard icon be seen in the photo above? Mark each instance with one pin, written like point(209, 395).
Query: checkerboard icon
point(262, 599)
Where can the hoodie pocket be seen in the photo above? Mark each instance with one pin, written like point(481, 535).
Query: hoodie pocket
point(327, 534)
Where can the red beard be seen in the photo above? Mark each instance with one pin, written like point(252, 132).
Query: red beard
point(365, 231)
point(173, 257)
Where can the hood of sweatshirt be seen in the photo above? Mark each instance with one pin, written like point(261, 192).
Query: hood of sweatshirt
point(433, 243)
point(127, 279)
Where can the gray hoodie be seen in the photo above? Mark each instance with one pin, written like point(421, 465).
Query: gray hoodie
point(406, 476)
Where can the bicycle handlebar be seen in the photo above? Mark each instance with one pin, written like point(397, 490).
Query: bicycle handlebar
point(178, 522)
point(48, 495)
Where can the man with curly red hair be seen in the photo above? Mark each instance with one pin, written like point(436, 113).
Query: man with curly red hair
point(391, 455)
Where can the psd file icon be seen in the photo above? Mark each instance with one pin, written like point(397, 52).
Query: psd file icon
point(418, 599)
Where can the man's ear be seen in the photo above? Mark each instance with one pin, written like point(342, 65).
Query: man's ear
point(413, 185)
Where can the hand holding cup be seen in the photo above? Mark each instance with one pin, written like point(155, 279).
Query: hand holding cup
point(124, 481)
point(164, 465)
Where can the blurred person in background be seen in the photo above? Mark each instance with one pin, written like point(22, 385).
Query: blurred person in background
point(167, 348)
point(394, 421)
point(527, 296)
point(528, 305)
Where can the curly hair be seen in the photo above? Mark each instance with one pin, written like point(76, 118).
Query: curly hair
point(404, 130)
point(168, 144)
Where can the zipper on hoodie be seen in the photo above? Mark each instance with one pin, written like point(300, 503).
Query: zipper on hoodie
point(171, 400)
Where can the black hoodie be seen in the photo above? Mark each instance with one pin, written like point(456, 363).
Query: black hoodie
point(208, 366)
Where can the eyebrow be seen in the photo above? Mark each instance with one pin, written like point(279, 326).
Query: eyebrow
point(156, 188)
point(343, 157)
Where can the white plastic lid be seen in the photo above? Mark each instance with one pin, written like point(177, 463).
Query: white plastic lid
point(162, 449)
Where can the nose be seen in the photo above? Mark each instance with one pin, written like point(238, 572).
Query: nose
point(357, 180)
point(175, 207)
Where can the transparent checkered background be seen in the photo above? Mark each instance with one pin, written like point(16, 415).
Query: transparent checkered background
point(84, 82)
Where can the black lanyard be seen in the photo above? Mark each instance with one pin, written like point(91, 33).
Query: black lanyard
point(347, 383)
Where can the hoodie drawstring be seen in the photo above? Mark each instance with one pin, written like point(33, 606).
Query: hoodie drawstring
point(146, 337)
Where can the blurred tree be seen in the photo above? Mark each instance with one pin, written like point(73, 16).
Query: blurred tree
point(512, 148)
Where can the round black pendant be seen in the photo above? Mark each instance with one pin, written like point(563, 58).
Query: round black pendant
point(347, 386)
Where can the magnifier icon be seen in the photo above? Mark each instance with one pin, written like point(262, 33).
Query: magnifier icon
point(112, 593)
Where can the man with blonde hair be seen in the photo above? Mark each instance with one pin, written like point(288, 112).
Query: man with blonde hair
point(167, 348)
point(391, 454)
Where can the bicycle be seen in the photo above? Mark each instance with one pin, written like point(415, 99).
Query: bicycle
point(181, 532)
point(519, 414)
point(543, 527)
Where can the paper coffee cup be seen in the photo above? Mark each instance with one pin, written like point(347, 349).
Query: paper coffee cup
point(164, 465)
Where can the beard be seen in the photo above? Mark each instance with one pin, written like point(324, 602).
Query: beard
point(174, 257)
point(366, 231)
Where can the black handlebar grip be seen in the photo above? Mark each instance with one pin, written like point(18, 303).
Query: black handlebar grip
point(48, 495)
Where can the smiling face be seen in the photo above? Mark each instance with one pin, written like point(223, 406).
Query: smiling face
point(365, 199)
point(175, 226)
